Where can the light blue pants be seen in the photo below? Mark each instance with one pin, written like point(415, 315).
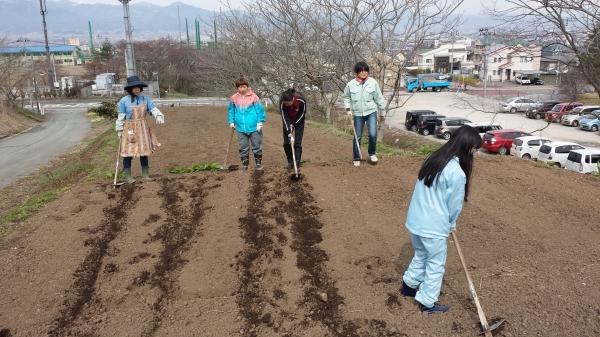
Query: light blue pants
point(426, 269)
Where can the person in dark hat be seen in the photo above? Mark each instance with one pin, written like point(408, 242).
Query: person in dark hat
point(136, 139)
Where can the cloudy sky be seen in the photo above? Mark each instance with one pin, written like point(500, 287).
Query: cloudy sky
point(468, 6)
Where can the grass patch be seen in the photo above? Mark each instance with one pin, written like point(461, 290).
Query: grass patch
point(196, 168)
point(29, 207)
point(30, 114)
point(589, 99)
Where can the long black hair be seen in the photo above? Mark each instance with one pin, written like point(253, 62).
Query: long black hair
point(460, 145)
point(130, 92)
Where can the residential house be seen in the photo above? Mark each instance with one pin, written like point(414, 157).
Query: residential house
point(391, 66)
point(504, 62)
point(447, 58)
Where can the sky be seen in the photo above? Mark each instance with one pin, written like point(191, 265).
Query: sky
point(467, 7)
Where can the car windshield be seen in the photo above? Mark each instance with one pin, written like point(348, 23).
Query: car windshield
point(557, 108)
point(590, 116)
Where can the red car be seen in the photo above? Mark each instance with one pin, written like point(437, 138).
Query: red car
point(500, 141)
point(559, 110)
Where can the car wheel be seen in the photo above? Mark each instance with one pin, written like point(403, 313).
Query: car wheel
point(575, 123)
point(446, 135)
point(526, 156)
point(513, 110)
point(594, 128)
point(557, 165)
point(502, 150)
point(413, 128)
point(414, 90)
point(537, 116)
point(558, 119)
point(425, 132)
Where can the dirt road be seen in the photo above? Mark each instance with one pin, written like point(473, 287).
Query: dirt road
point(253, 253)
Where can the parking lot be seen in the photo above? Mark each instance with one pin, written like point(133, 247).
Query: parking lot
point(478, 109)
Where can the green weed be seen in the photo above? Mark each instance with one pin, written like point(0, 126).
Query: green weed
point(196, 168)
point(30, 206)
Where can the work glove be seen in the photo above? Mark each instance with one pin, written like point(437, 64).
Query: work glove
point(349, 112)
point(232, 125)
point(119, 134)
point(290, 138)
point(160, 120)
point(259, 127)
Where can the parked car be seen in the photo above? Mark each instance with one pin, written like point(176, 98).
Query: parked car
point(537, 81)
point(540, 110)
point(445, 127)
point(557, 152)
point(577, 114)
point(559, 110)
point(426, 123)
point(527, 147)
point(590, 122)
point(500, 141)
point(413, 115)
point(522, 79)
point(483, 127)
point(515, 104)
point(583, 161)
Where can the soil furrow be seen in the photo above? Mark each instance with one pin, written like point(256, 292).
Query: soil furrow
point(83, 288)
point(180, 227)
point(321, 296)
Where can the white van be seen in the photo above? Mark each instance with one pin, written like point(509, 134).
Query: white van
point(583, 161)
point(557, 152)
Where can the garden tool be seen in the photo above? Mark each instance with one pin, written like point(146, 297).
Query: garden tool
point(231, 167)
point(356, 139)
point(296, 174)
point(487, 329)
point(115, 184)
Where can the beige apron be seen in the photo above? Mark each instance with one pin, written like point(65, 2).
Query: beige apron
point(137, 139)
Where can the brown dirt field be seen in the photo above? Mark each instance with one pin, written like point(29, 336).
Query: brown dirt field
point(245, 253)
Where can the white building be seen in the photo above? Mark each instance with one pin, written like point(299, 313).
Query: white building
point(448, 57)
point(505, 62)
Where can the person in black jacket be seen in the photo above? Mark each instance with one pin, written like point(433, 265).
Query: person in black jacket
point(293, 111)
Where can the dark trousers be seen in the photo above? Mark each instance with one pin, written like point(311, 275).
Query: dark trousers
point(287, 147)
point(127, 161)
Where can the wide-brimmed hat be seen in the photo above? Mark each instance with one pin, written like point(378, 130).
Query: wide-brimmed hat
point(134, 81)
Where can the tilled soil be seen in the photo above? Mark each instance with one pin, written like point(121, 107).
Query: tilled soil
point(256, 254)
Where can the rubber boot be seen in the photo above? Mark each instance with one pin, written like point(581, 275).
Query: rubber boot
point(408, 291)
point(288, 154)
point(128, 177)
point(145, 173)
point(258, 162)
point(245, 163)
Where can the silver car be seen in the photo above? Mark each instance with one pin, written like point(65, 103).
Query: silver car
point(577, 114)
point(515, 104)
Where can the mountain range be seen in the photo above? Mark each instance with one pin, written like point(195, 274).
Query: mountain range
point(66, 19)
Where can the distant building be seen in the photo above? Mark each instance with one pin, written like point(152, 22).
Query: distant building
point(505, 62)
point(105, 81)
point(68, 55)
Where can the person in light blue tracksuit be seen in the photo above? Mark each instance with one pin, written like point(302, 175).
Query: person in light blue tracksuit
point(247, 115)
point(442, 186)
point(362, 97)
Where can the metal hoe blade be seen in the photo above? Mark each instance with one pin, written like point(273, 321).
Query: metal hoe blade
point(492, 327)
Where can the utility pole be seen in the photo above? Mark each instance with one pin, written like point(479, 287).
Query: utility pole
point(485, 32)
point(23, 39)
point(44, 11)
point(128, 44)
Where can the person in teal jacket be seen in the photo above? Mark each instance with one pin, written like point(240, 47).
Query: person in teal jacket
point(442, 186)
point(247, 115)
point(362, 97)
